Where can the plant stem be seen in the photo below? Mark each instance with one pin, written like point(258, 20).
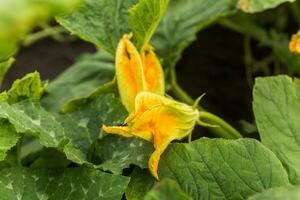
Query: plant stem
point(229, 131)
point(46, 32)
point(248, 58)
point(225, 130)
point(294, 7)
point(19, 146)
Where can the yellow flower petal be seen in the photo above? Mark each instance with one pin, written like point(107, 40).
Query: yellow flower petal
point(155, 157)
point(118, 130)
point(129, 72)
point(160, 120)
point(153, 71)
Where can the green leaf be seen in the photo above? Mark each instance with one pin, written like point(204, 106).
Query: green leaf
point(280, 193)
point(73, 133)
point(79, 80)
point(105, 109)
point(50, 158)
point(141, 182)
point(8, 138)
point(166, 189)
point(117, 153)
point(144, 18)
point(4, 66)
point(28, 87)
point(20, 17)
point(102, 22)
point(109, 87)
point(182, 21)
point(222, 169)
point(252, 6)
point(277, 112)
point(59, 184)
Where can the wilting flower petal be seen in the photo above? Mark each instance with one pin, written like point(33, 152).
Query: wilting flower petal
point(157, 119)
point(153, 71)
point(129, 72)
point(137, 72)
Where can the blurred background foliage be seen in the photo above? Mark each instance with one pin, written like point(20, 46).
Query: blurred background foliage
point(222, 60)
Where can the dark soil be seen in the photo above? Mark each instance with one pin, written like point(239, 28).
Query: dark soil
point(214, 65)
point(46, 56)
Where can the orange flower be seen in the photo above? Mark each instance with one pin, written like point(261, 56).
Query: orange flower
point(294, 45)
point(152, 117)
point(157, 119)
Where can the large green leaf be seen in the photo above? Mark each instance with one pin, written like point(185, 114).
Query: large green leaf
point(222, 169)
point(29, 87)
point(73, 133)
point(20, 17)
point(102, 22)
point(165, 190)
point(252, 6)
point(60, 184)
point(104, 109)
point(117, 153)
point(4, 66)
point(182, 21)
point(277, 112)
point(141, 182)
point(144, 18)
point(280, 193)
point(79, 80)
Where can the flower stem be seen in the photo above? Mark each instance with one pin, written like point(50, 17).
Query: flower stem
point(225, 130)
point(229, 131)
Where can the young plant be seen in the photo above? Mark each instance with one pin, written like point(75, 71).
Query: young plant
point(97, 130)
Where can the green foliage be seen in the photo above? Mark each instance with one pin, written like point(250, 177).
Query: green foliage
point(182, 21)
point(277, 110)
point(144, 18)
point(166, 189)
point(8, 138)
point(55, 129)
point(280, 193)
point(53, 184)
point(252, 6)
point(141, 182)
point(29, 87)
point(277, 41)
point(222, 169)
point(102, 22)
point(26, 14)
point(79, 80)
point(4, 66)
point(118, 153)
